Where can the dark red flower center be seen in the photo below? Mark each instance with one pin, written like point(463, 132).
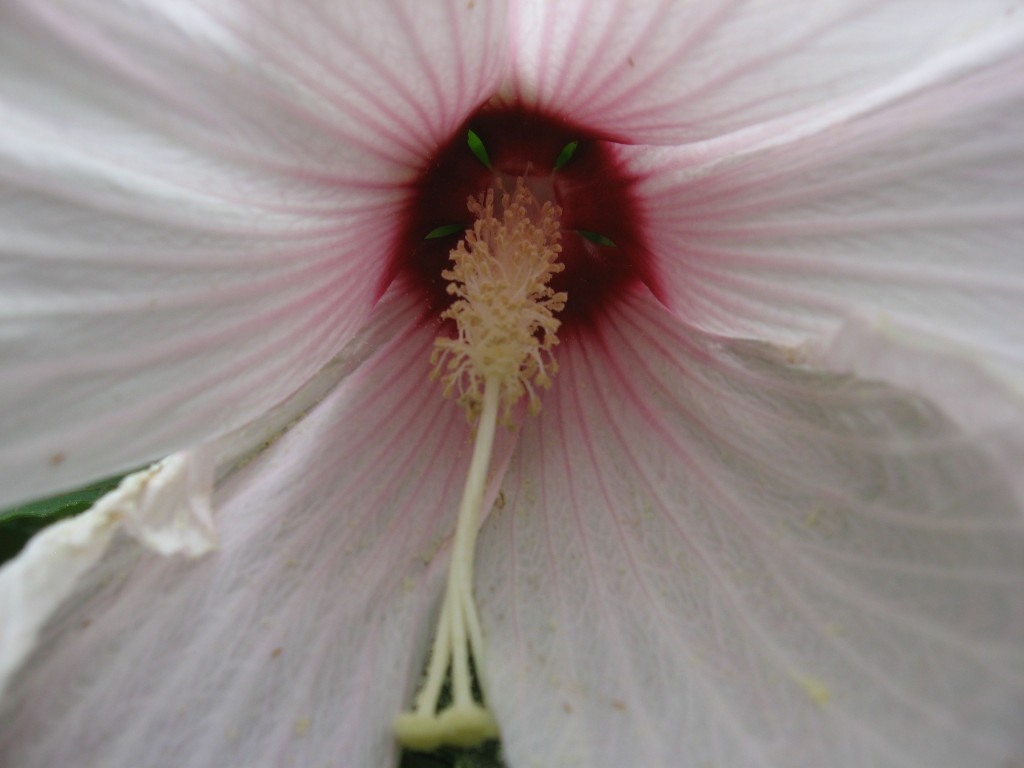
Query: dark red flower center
point(602, 246)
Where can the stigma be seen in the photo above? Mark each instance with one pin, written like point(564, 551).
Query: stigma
point(506, 324)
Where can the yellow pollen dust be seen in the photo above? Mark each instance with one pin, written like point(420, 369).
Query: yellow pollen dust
point(504, 308)
point(505, 313)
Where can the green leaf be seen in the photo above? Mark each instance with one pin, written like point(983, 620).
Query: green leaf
point(19, 524)
point(63, 505)
point(476, 144)
point(594, 237)
point(566, 154)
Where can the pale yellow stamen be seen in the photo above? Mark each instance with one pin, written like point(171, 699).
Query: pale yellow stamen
point(504, 308)
point(505, 314)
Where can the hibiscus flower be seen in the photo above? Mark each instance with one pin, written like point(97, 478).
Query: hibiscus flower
point(769, 512)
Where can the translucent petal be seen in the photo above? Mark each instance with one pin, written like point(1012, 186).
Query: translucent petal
point(298, 640)
point(707, 556)
point(984, 405)
point(674, 71)
point(197, 202)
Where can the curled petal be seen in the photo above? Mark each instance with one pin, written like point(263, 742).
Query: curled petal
point(167, 507)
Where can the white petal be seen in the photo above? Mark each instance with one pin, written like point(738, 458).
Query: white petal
point(167, 507)
point(910, 212)
point(683, 70)
point(710, 557)
point(299, 639)
point(198, 206)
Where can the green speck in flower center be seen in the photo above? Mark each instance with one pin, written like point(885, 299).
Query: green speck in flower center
point(476, 145)
point(566, 154)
